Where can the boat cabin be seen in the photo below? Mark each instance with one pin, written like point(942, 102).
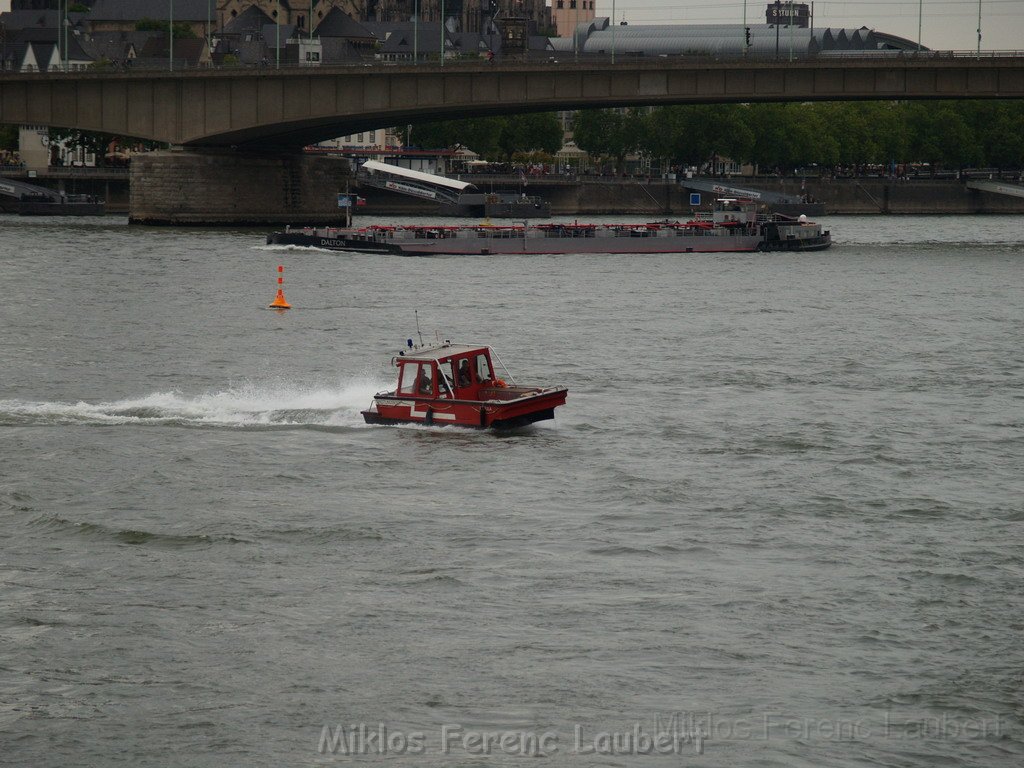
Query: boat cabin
point(451, 371)
point(734, 212)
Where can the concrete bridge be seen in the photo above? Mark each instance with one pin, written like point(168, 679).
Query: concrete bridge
point(240, 114)
point(254, 108)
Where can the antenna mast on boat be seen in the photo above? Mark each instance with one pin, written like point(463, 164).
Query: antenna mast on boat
point(418, 333)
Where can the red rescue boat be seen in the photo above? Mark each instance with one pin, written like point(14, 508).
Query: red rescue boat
point(457, 384)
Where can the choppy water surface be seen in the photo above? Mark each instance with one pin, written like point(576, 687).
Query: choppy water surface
point(783, 503)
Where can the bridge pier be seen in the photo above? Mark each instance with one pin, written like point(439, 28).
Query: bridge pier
point(222, 186)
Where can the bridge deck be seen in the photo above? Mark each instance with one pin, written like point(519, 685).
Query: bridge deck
point(270, 108)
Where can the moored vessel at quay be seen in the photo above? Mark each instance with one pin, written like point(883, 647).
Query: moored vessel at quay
point(733, 226)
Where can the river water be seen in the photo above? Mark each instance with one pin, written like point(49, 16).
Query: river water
point(778, 522)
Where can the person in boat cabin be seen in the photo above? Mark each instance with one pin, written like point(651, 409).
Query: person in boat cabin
point(423, 385)
point(465, 378)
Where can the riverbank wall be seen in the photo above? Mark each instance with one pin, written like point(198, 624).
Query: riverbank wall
point(891, 196)
point(608, 197)
point(270, 191)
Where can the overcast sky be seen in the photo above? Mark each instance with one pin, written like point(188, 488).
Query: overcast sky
point(947, 24)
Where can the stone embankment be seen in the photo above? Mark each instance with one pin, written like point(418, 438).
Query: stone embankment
point(914, 196)
point(229, 188)
point(196, 187)
point(606, 196)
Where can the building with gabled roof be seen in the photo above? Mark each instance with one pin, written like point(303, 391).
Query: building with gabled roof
point(246, 25)
point(291, 12)
point(118, 48)
point(37, 49)
point(337, 23)
point(400, 41)
point(188, 52)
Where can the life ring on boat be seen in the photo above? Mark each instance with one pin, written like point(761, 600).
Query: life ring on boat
point(500, 384)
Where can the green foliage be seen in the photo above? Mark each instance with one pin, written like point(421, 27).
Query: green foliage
point(181, 29)
point(95, 143)
point(787, 136)
point(494, 138)
point(230, 60)
point(612, 133)
point(940, 134)
point(524, 133)
point(78, 8)
point(999, 126)
point(695, 134)
point(949, 134)
point(102, 64)
point(9, 137)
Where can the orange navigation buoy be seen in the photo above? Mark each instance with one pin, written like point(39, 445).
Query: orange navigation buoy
point(279, 301)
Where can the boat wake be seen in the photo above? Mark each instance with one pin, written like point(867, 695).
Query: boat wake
point(249, 405)
point(300, 248)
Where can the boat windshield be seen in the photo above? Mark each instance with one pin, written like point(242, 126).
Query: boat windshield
point(416, 379)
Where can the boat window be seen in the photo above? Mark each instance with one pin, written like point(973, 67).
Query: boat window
point(445, 380)
point(417, 379)
point(483, 368)
point(410, 372)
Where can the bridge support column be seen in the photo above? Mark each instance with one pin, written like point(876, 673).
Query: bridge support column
point(211, 187)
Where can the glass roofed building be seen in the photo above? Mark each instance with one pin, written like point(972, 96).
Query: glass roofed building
point(599, 37)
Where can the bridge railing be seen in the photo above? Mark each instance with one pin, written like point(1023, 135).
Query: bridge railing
point(561, 59)
point(83, 171)
point(65, 171)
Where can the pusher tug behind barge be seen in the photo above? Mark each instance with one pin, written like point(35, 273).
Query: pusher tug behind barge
point(456, 384)
point(733, 226)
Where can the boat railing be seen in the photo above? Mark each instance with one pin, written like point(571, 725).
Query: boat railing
point(505, 394)
point(503, 366)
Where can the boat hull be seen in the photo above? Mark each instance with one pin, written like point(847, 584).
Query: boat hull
point(457, 246)
point(520, 407)
point(794, 235)
point(810, 244)
point(336, 242)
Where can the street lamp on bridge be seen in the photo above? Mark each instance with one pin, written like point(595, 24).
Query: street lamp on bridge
point(921, 12)
point(979, 29)
point(790, 31)
point(613, 31)
point(746, 30)
point(778, 15)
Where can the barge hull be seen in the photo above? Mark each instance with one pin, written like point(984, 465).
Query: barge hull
point(529, 246)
